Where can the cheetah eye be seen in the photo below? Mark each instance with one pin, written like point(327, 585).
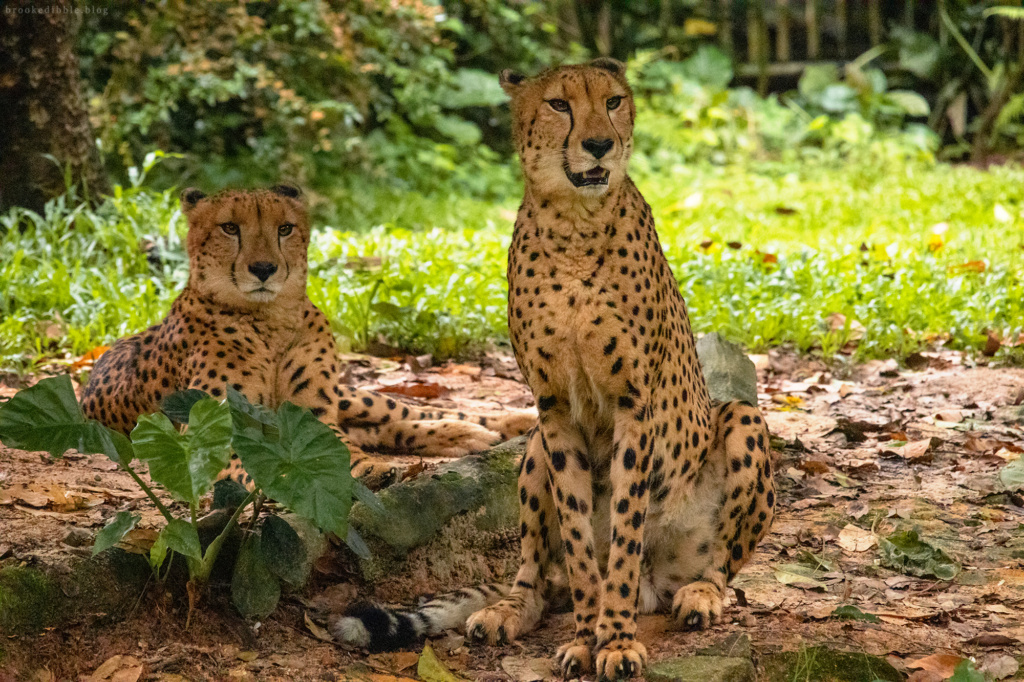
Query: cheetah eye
point(285, 230)
point(229, 228)
point(559, 104)
point(613, 102)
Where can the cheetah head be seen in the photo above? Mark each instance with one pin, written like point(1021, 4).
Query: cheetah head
point(573, 127)
point(247, 248)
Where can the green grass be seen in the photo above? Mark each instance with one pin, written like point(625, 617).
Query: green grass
point(427, 273)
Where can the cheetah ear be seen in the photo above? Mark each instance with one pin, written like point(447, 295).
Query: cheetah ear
point(509, 80)
point(285, 190)
point(613, 66)
point(190, 196)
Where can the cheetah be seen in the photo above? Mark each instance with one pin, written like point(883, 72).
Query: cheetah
point(244, 320)
point(636, 493)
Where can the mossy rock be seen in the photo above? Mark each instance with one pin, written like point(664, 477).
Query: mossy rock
point(32, 599)
point(824, 665)
point(702, 669)
point(415, 511)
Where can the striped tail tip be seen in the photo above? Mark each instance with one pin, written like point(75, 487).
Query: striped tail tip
point(377, 629)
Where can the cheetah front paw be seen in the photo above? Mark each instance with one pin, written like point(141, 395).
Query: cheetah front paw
point(697, 605)
point(503, 622)
point(574, 659)
point(621, 659)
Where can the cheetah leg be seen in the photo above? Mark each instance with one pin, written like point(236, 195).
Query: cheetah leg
point(741, 447)
point(520, 611)
point(360, 407)
point(619, 654)
point(565, 453)
point(440, 438)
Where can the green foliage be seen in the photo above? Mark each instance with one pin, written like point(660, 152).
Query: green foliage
point(851, 612)
point(255, 590)
point(1012, 475)
point(296, 459)
point(186, 463)
point(292, 457)
point(49, 418)
point(282, 549)
point(906, 552)
point(112, 533)
point(297, 88)
point(443, 290)
point(966, 672)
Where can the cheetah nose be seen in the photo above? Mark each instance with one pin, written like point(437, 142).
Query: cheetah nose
point(598, 147)
point(263, 270)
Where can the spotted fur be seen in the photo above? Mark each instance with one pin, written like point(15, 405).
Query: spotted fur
point(636, 493)
point(244, 320)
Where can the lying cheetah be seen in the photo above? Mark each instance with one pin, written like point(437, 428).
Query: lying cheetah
point(244, 320)
point(656, 497)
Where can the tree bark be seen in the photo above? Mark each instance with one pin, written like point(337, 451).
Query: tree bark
point(42, 109)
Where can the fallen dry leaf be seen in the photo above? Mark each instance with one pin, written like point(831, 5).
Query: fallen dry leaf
point(118, 669)
point(89, 358)
point(925, 676)
point(417, 389)
point(320, 633)
point(944, 664)
point(992, 639)
point(999, 666)
point(527, 669)
point(395, 661)
point(138, 540)
point(855, 539)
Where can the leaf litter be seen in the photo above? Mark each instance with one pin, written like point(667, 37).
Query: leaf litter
point(866, 455)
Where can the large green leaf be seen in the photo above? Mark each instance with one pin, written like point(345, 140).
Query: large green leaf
point(178, 405)
point(919, 53)
point(906, 552)
point(473, 88)
point(911, 102)
point(306, 467)
point(182, 537)
point(47, 417)
point(283, 551)
point(1012, 475)
point(816, 78)
point(709, 66)
point(255, 590)
point(114, 531)
point(186, 464)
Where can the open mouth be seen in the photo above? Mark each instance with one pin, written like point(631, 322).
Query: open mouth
point(594, 176)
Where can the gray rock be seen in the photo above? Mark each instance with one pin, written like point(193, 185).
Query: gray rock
point(729, 373)
point(702, 669)
point(78, 537)
point(736, 645)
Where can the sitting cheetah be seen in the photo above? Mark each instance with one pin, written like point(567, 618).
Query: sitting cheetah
point(657, 498)
point(244, 320)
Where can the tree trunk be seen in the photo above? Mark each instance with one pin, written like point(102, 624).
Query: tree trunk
point(42, 109)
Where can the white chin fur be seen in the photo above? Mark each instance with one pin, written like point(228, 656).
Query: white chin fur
point(592, 190)
point(352, 631)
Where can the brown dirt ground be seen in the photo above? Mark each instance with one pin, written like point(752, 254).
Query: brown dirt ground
point(838, 492)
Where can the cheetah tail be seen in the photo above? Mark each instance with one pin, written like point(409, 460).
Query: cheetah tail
point(382, 629)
